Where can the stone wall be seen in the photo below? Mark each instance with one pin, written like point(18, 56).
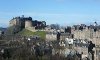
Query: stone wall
point(12, 22)
point(28, 23)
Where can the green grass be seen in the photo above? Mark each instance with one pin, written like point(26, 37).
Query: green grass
point(42, 34)
point(26, 32)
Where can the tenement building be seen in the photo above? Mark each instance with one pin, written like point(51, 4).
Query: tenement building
point(91, 32)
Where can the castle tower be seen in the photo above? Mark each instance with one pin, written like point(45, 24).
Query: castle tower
point(28, 23)
point(15, 21)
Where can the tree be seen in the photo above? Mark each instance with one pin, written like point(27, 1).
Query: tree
point(55, 26)
point(68, 29)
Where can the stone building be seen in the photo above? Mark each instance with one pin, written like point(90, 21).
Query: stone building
point(89, 32)
point(39, 24)
point(27, 22)
point(51, 36)
point(15, 21)
point(19, 21)
point(63, 36)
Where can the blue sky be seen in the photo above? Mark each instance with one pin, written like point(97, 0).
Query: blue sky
point(64, 12)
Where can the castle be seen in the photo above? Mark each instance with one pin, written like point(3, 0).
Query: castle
point(27, 23)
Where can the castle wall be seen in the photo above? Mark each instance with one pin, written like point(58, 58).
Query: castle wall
point(13, 22)
point(28, 23)
point(29, 26)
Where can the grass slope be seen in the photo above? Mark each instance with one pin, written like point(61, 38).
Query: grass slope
point(26, 32)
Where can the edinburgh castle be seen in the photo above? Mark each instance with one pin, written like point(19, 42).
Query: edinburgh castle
point(27, 23)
